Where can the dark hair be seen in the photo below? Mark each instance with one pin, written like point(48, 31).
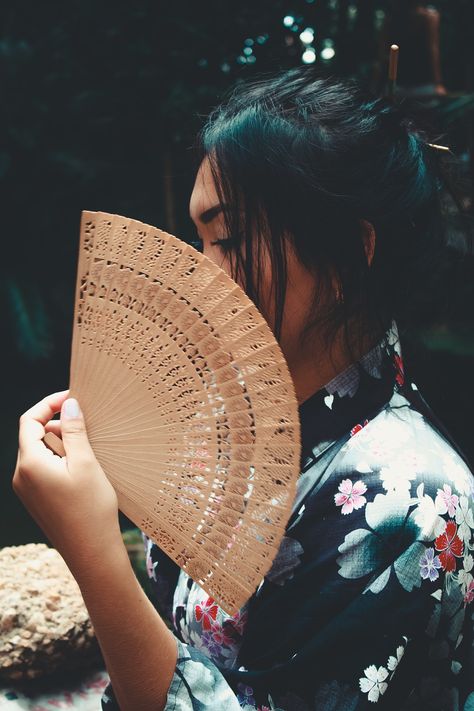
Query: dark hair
point(303, 158)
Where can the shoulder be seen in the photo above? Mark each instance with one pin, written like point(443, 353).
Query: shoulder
point(402, 449)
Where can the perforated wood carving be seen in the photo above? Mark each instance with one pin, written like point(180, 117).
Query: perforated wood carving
point(189, 404)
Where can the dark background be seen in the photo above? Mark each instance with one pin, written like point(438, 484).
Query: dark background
point(100, 103)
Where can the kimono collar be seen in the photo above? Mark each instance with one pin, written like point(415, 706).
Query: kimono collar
point(351, 398)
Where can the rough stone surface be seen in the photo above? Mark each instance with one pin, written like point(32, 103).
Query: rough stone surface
point(44, 623)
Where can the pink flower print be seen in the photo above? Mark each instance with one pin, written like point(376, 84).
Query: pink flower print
point(446, 501)
point(357, 428)
point(221, 636)
point(207, 612)
point(430, 564)
point(469, 596)
point(238, 621)
point(350, 496)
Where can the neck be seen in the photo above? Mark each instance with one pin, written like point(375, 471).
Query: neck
point(314, 366)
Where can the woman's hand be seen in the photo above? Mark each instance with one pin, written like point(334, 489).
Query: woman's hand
point(69, 497)
point(76, 506)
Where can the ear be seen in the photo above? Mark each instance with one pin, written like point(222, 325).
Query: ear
point(368, 237)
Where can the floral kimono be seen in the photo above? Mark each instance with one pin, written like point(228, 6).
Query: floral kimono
point(369, 599)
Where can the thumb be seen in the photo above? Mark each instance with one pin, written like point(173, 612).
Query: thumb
point(73, 431)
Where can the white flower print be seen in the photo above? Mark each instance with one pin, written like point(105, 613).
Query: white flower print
point(195, 640)
point(464, 519)
point(373, 683)
point(426, 515)
point(401, 471)
point(363, 467)
point(459, 474)
point(468, 563)
point(381, 440)
point(396, 479)
point(394, 433)
point(394, 661)
point(328, 401)
point(464, 575)
point(446, 501)
point(150, 565)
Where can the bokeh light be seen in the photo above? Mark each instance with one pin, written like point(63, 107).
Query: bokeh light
point(307, 36)
point(309, 55)
point(327, 53)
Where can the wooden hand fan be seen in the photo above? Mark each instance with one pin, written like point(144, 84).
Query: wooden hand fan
point(188, 401)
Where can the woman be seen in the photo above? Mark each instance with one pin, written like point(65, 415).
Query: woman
point(324, 204)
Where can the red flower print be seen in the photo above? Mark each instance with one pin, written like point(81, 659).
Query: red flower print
point(221, 636)
point(206, 612)
point(449, 545)
point(357, 428)
point(400, 376)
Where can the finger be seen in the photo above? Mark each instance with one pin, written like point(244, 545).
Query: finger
point(53, 426)
point(17, 463)
point(33, 421)
point(74, 434)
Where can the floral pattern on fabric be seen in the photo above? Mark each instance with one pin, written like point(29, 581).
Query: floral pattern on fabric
point(369, 602)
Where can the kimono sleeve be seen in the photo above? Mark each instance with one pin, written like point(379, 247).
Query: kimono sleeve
point(197, 684)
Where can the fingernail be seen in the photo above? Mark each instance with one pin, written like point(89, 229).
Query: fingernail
point(71, 408)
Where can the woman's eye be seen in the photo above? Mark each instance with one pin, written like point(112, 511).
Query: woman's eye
point(226, 243)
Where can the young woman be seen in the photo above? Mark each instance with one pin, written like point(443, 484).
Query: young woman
point(324, 204)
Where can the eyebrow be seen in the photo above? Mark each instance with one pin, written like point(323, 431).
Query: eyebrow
point(210, 214)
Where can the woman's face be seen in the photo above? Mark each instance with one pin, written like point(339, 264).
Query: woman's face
point(207, 215)
point(312, 364)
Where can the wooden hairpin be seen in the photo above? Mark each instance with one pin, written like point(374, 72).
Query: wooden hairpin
point(446, 149)
point(392, 70)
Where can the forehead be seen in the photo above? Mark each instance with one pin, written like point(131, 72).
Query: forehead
point(204, 194)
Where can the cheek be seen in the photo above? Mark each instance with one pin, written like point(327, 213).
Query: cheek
point(215, 254)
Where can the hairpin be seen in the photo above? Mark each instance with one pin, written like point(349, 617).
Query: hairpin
point(439, 148)
point(392, 80)
point(392, 70)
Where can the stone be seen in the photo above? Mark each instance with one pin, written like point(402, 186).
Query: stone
point(44, 623)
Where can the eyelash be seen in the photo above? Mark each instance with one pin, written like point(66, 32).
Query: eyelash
point(225, 243)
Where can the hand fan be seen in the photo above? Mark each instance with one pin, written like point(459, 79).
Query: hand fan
point(188, 401)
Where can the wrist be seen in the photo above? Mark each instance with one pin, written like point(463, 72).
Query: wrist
point(97, 556)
